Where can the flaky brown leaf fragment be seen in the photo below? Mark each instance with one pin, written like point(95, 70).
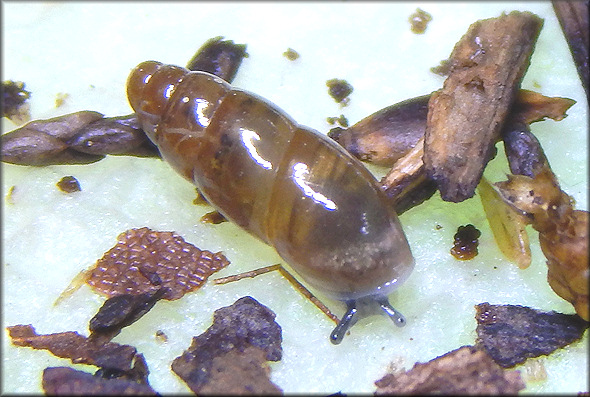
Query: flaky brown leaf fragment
point(242, 329)
point(467, 370)
point(60, 381)
point(511, 333)
point(144, 260)
point(76, 347)
point(466, 116)
point(530, 106)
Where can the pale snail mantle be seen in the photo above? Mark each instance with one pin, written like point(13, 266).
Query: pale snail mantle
point(293, 188)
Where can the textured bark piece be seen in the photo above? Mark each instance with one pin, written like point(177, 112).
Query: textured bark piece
point(76, 347)
point(121, 311)
point(467, 370)
point(466, 116)
point(144, 260)
point(59, 381)
point(573, 17)
point(240, 340)
point(510, 333)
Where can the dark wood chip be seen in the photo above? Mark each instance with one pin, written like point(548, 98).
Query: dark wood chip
point(388, 134)
point(511, 334)
point(523, 150)
point(121, 311)
point(466, 116)
point(144, 260)
point(59, 381)
point(242, 329)
point(219, 57)
point(467, 370)
point(76, 347)
point(574, 20)
point(120, 135)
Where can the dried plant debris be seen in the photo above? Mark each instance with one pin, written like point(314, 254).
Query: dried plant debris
point(533, 192)
point(530, 106)
point(68, 381)
point(466, 116)
point(121, 311)
point(120, 135)
point(14, 102)
point(388, 134)
point(76, 347)
point(510, 334)
point(563, 232)
point(144, 260)
point(230, 357)
point(419, 21)
point(68, 184)
point(339, 90)
point(573, 17)
point(219, 57)
point(291, 54)
point(465, 242)
point(467, 370)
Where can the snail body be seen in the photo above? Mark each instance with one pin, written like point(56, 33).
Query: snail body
point(291, 187)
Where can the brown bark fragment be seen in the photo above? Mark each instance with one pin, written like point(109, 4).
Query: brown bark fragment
point(573, 18)
point(510, 333)
point(78, 348)
point(230, 357)
point(60, 381)
point(466, 116)
point(467, 370)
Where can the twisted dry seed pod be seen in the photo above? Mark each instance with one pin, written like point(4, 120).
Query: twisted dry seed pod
point(291, 187)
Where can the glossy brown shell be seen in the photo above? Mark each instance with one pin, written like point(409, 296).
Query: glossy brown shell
point(291, 187)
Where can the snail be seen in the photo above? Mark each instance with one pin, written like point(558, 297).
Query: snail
point(293, 188)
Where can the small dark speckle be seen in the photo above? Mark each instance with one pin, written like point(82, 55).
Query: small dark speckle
point(68, 184)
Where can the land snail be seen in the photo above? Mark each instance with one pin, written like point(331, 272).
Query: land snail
point(293, 188)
